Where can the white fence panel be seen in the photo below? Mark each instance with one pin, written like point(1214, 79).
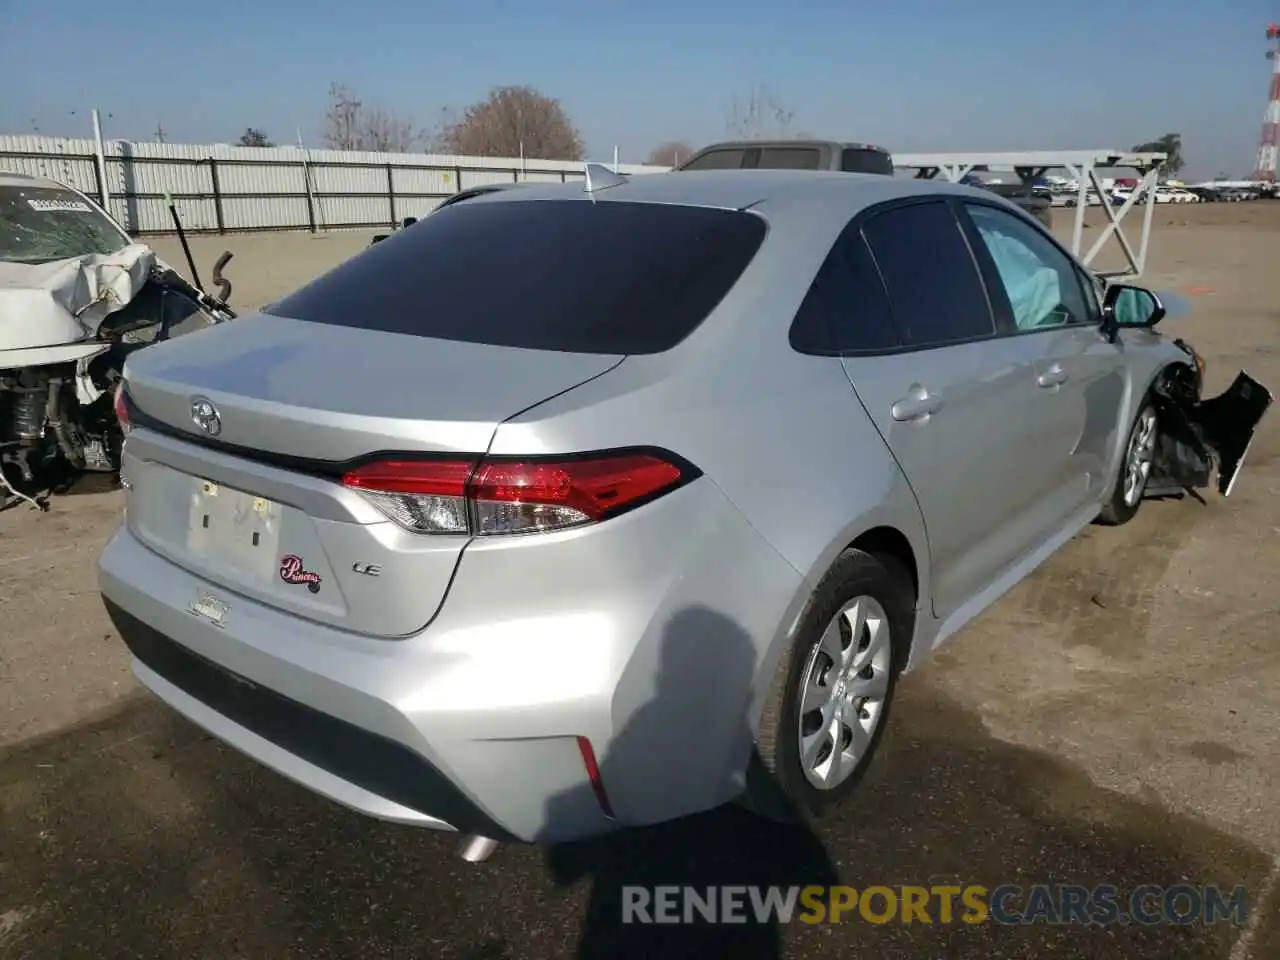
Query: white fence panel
point(237, 178)
point(353, 211)
point(265, 213)
point(219, 187)
point(326, 179)
point(416, 182)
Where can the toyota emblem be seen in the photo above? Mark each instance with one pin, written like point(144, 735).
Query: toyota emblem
point(205, 416)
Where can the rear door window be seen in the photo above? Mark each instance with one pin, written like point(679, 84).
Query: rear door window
point(576, 276)
point(729, 159)
point(788, 158)
point(933, 282)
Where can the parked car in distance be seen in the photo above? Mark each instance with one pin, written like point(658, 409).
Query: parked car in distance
point(791, 155)
point(1165, 194)
point(477, 191)
point(592, 505)
point(1092, 199)
point(1034, 203)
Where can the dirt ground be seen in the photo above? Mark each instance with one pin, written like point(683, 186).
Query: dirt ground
point(1114, 720)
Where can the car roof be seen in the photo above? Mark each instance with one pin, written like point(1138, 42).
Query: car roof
point(740, 189)
point(8, 179)
point(790, 142)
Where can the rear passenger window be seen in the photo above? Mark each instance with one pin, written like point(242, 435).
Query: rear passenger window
point(846, 310)
point(717, 160)
point(854, 160)
point(787, 158)
point(931, 278)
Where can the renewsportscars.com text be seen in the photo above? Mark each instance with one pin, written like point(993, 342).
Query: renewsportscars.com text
point(1146, 905)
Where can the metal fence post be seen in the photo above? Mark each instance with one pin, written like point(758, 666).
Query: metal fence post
point(311, 206)
point(391, 196)
point(217, 196)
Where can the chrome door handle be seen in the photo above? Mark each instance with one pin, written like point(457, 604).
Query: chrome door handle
point(916, 407)
point(1055, 376)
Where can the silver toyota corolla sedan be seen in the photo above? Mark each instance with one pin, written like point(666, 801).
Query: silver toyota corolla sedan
point(591, 505)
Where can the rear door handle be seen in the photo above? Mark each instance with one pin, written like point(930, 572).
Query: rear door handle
point(918, 406)
point(1055, 376)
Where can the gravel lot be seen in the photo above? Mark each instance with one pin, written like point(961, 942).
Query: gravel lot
point(1115, 719)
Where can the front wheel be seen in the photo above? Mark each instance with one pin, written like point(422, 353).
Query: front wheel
point(831, 694)
point(1135, 468)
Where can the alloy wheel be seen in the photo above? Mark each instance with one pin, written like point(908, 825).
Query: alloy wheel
point(845, 687)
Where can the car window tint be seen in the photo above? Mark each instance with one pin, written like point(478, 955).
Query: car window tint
point(855, 160)
point(846, 310)
point(568, 275)
point(717, 160)
point(932, 280)
point(1039, 279)
point(787, 158)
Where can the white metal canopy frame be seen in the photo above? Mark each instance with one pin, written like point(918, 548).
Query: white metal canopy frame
point(1083, 166)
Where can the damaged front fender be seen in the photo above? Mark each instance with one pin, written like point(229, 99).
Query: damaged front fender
point(1197, 435)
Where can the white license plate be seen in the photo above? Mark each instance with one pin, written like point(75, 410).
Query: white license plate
point(230, 528)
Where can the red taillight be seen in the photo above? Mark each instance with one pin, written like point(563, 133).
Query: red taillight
point(438, 478)
point(593, 776)
point(501, 496)
point(121, 404)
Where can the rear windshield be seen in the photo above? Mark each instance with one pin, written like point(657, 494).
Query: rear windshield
point(856, 160)
point(575, 276)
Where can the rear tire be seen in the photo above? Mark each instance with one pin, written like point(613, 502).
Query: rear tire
point(1135, 468)
point(833, 689)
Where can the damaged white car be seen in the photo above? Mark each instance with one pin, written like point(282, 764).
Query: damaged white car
point(77, 295)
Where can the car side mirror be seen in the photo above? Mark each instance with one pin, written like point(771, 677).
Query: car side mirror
point(1128, 306)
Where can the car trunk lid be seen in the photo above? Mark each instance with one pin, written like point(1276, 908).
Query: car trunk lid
point(256, 506)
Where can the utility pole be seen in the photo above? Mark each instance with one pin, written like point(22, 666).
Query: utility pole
point(159, 132)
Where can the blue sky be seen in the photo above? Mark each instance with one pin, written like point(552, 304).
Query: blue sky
point(911, 75)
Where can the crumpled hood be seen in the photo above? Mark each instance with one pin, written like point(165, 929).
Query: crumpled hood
point(49, 304)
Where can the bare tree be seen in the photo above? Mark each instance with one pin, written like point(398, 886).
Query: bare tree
point(669, 154)
point(513, 122)
point(758, 114)
point(342, 119)
point(386, 133)
point(349, 124)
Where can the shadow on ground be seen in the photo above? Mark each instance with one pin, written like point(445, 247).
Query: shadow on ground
point(139, 837)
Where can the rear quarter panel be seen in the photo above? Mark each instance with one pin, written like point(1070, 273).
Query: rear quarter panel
point(781, 434)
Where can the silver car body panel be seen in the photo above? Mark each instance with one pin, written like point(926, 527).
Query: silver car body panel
point(488, 657)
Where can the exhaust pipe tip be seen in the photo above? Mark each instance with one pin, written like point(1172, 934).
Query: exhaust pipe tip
point(477, 849)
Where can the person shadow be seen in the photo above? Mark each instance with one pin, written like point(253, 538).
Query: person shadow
point(665, 753)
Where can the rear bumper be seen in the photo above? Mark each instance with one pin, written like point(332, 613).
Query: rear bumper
point(630, 635)
point(349, 764)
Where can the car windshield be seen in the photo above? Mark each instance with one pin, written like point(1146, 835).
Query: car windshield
point(44, 224)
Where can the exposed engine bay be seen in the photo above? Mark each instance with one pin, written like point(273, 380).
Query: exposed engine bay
point(1198, 434)
point(77, 296)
